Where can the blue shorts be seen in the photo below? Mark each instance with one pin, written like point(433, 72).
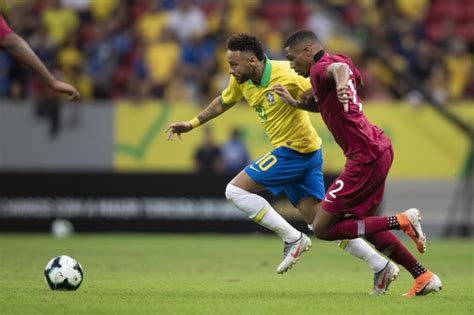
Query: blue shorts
point(299, 175)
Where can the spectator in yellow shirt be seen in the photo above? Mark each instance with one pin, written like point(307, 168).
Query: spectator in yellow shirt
point(60, 22)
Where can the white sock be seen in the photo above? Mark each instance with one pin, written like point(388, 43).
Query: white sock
point(260, 211)
point(359, 248)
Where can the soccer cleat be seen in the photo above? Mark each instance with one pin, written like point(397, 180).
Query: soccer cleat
point(410, 224)
point(425, 284)
point(384, 277)
point(292, 253)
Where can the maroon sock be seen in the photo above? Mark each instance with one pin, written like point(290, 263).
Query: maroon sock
point(387, 243)
point(351, 228)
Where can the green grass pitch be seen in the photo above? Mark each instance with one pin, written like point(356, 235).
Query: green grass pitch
point(219, 274)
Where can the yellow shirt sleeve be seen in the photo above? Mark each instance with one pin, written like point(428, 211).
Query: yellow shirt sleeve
point(303, 83)
point(232, 93)
point(296, 85)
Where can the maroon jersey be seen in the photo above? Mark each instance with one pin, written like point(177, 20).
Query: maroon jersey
point(359, 139)
point(4, 28)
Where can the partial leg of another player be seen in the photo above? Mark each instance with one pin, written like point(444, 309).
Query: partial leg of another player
point(384, 270)
point(376, 231)
point(241, 192)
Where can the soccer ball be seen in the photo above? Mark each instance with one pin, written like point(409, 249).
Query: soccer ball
point(63, 273)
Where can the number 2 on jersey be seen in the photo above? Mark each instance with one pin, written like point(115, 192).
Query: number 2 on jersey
point(340, 185)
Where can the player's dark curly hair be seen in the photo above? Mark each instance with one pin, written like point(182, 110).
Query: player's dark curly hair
point(246, 42)
point(303, 36)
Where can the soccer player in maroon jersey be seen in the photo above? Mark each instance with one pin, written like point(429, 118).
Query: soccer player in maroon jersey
point(22, 52)
point(348, 208)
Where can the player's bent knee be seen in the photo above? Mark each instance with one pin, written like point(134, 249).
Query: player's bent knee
point(322, 235)
point(251, 204)
point(232, 192)
point(320, 232)
point(228, 192)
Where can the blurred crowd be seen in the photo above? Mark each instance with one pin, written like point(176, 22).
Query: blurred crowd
point(433, 41)
point(175, 49)
point(228, 158)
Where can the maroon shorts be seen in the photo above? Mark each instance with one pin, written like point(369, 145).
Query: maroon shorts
point(359, 188)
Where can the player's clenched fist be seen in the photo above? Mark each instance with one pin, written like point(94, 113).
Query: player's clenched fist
point(178, 128)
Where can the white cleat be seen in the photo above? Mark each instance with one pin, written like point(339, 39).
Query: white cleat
point(384, 278)
point(292, 253)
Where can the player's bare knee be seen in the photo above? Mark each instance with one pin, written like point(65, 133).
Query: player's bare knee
point(321, 234)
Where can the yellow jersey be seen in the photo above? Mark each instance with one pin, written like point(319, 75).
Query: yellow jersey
point(284, 124)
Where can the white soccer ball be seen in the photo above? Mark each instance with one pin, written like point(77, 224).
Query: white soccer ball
point(63, 273)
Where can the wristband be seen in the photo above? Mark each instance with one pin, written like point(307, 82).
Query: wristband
point(195, 122)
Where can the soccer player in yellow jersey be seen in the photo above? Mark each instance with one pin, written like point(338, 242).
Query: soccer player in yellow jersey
point(294, 166)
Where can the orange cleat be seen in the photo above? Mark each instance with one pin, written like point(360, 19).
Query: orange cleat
point(410, 224)
point(425, 284)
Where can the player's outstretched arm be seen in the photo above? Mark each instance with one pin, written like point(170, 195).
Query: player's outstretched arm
point(307, 102)
point(22, 52)
point(341, 72)
point(213, 110)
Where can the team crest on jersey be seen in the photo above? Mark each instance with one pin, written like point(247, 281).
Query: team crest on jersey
point(270, 98)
